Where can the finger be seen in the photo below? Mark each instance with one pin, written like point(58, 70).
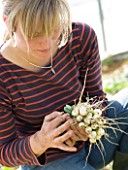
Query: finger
point(68, 117)
point(70, 142)
point(67, 148)
point(76, 132)
point(81, 129)
point(80, 137)
point(82, 134)
point(75, 137)
point(79, 134)
point(62, 128)
point(53, 115)
point(58, 121)
point(78, 129)
point(65, 136)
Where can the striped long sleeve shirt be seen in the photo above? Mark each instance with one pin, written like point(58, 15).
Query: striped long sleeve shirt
point(27, 97)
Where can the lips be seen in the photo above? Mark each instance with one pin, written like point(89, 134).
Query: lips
point(44, 51)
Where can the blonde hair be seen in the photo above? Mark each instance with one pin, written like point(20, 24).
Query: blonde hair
point(35, 15)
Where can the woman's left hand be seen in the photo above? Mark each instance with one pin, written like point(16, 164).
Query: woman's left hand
point(79, 135)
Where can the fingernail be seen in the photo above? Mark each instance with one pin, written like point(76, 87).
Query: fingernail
point(71, 122)
point(61, 113)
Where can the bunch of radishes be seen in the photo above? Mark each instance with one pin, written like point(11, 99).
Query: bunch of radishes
point(90, 117)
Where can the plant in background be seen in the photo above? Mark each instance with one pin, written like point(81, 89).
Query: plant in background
point(114, 84)
point(7, 168)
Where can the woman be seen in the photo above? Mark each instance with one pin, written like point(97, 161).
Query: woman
point(43, 63)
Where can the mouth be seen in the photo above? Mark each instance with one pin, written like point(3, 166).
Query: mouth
point(43, 51)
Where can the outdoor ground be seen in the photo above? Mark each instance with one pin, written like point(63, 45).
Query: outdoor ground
point(114, 65)
point(115, 73)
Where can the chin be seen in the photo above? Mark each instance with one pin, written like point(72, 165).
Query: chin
point(42, 56)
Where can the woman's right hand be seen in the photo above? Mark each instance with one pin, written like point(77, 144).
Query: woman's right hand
point(54, 132)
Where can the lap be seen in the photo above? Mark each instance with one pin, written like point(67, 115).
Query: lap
point(75, 162)
point(98, 157)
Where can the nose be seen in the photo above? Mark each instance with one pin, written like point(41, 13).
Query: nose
point(45, 42)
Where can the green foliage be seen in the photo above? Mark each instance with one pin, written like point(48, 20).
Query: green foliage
point(7, 168)
point(114, 84)
point(68, 109)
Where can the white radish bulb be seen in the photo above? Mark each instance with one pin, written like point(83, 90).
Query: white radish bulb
point(93, 121)
point(89, 115)
point(83, 111)
point(75, 112)
point(93, 134)
point(96, 115)
point(100, 122)
point(98, 137)
point(101, 132)
point(98, 111)
point(79, 118)
point(94, 126)
point(91, 140)
point(81, 124)
point(87, 120)
point(86, 125)
point(88, 106)
point(85, 104)
point(88, 129)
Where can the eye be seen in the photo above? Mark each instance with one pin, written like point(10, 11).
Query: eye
point(36, 34)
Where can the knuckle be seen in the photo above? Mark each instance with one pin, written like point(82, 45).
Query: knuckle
point(58, 141)
point(62, 128)
point(60, 119)
point(71, 132)
point(57, 132)
point(46, 118)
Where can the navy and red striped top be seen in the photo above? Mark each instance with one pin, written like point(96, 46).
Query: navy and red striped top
point(26, 97)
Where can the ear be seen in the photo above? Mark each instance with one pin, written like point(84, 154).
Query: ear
point(5, 19)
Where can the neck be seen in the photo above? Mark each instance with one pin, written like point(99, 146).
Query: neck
point(19, 58)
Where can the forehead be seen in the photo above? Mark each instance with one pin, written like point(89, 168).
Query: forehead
point(39, 33)
point(37, 25)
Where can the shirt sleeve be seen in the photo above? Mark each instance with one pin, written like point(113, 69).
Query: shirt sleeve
point(91, 64)
point(14, 151)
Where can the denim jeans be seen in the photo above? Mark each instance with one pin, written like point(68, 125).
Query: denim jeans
point(117, 140)
point(76, 162)
point(98, 158)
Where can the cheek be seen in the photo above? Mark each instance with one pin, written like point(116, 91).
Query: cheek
point(21, 42)
point(32, 43)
